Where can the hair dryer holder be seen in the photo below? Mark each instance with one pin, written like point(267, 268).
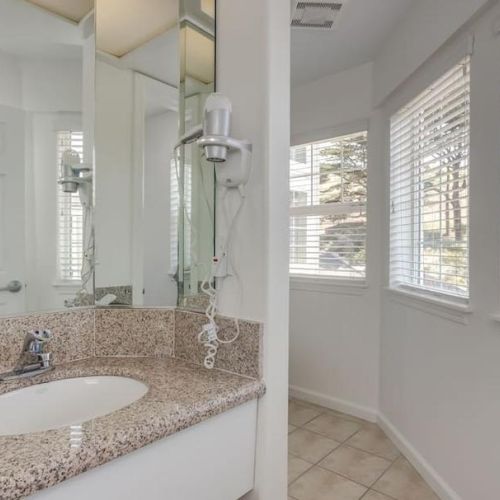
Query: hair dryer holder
point(230, 174)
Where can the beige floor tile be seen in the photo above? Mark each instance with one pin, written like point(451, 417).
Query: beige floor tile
point(320, 484)
point(296, 467)
point(333, 427)
point(357, 465)
point(291, 428)
point(371, 439)
point(309, 446)
point(375, 495)
point(299, 415)
point(403, 482)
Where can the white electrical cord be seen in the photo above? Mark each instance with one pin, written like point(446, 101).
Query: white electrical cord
point(88, 261)
point(88, 257)
point(209, 335)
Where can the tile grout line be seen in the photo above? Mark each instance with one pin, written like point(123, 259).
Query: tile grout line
point(392, 460)
point(300, 475)
point(354, 480)
point(379, 492)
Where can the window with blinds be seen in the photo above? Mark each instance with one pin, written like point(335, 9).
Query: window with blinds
point(429, 189)
point(328, 185)
point(69, 214)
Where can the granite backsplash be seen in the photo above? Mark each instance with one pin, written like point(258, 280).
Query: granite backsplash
point(135, 332)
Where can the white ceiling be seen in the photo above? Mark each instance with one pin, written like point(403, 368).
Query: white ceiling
point(361, 30)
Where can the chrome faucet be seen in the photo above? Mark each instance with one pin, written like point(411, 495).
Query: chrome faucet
point(33, 359)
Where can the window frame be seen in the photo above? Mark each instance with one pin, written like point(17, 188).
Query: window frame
point(429, 294)
point(321, 282)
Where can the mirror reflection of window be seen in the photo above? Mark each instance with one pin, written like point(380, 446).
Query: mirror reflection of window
point(69, 214)
point(46, 109)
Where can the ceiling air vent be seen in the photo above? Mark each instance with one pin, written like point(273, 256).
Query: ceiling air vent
point(320, 15)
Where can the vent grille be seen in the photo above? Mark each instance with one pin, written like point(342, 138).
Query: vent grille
point(318, 15)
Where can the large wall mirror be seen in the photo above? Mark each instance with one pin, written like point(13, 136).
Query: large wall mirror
point(94, 196)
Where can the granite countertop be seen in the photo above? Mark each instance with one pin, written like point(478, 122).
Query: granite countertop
point(180, 395)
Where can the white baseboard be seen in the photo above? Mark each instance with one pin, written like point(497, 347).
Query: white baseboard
point(334, 403)
point(431, 476)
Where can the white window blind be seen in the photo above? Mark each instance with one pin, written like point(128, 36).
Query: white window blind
point(175, 206)
point(69, 214)
point(174, 217)
point(328, 207)
point(430, 188)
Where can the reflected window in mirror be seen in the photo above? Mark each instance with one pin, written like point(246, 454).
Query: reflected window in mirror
point(69, 213)
point(47, 54)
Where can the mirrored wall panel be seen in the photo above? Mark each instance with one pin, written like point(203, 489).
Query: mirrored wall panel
point(154, 202)
point(98, 204)
point(46, 144)
point(196, 175)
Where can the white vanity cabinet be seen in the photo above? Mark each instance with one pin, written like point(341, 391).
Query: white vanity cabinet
point(212, 460)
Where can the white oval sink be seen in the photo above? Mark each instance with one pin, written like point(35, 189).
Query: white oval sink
point(65, 402)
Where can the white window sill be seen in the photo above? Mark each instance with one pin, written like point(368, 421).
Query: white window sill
point(66, 284)
point(446, 309)
point(328, 285)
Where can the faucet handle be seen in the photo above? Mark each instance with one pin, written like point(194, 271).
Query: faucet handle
point(42, 335)
point(35, 340)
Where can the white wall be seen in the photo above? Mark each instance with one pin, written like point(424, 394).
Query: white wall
point(52, 85)
point(253, 70)
point(12, 207)
point(423, 29)
point(113, 156)
point(439, 368)
point(11, 82)
point(330, 102)
point(160, 138)
point(334, 334)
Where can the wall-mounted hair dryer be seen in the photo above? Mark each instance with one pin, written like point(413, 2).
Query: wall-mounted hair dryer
point(216, 122)
point(72, 171)
point(213, 136)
